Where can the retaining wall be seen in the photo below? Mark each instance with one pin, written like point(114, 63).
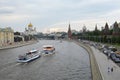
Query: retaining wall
point(20, 44)
point(96, 75)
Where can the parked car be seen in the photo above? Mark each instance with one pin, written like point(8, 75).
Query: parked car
point(117, 54)
point(114, 58)
point(106, 51)
point(112, 49)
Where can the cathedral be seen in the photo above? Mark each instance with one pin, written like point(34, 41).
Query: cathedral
point(30, 30)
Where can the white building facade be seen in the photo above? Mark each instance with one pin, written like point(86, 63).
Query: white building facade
point(6, 36)
point(30, 30)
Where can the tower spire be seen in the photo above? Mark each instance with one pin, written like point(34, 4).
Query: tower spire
point(69, 32)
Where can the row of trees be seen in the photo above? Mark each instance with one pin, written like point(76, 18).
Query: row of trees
point(102, 39)
point(105, 35)
point(18, 37)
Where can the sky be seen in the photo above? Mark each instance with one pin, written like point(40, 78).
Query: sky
point(55, 15)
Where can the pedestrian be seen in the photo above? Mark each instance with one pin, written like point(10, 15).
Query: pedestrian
point(112, 69)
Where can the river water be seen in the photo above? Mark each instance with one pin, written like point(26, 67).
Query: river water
point(70, 62)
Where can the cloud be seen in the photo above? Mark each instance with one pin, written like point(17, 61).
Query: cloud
point(13, 17)
point(46, 14)
point(7, 10)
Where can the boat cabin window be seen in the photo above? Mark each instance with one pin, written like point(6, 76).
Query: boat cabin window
point(31, 52)
point(48, 47)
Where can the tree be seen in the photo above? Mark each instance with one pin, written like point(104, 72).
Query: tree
point(17, 33)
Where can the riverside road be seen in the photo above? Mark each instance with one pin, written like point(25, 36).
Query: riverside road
point(70, 62)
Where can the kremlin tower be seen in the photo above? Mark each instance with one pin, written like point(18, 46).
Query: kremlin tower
point(69, 32)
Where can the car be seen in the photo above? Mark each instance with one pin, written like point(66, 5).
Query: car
point(117, 54)
point(112, 49)
point(117, 60)
point(106, 51)
point(114, 58)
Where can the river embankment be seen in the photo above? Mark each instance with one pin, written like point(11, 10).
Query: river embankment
point(18, 44)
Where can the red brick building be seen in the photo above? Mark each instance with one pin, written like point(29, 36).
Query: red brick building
point(69, 32)
point(116, 29)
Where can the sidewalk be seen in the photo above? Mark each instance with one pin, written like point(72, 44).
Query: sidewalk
point(104, 63)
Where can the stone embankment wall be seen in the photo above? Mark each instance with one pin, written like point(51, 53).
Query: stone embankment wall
point(18, 44)
point(96, 75)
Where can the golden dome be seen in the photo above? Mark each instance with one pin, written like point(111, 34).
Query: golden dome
point(30, 25)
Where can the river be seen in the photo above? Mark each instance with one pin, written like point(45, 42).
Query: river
point(70, 62)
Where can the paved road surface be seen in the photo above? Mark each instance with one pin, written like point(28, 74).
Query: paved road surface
point(104, 63)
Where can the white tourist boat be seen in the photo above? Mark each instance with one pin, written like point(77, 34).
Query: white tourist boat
point(48, 49)
point(30, 56)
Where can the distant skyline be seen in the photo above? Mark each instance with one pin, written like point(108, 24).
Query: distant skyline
point(55, 15)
